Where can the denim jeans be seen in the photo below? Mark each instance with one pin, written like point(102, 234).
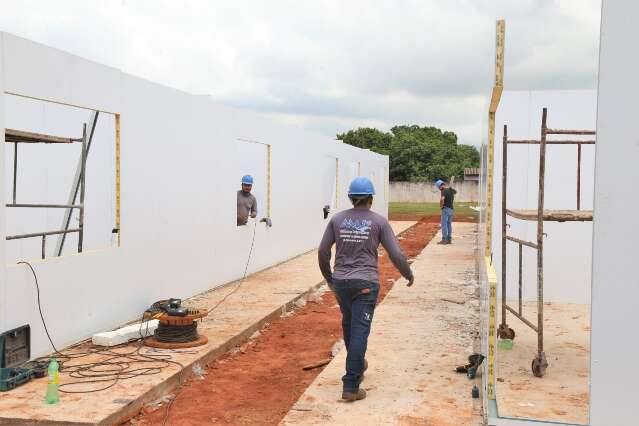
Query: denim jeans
point(357, 299)
point(447, 223)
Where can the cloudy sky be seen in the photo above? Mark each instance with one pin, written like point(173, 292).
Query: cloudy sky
point(330, 66)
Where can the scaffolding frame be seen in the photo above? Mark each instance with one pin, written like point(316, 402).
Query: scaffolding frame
point(18, 136)
point(540, 215)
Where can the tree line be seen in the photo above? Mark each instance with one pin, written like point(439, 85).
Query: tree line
point(416, 153)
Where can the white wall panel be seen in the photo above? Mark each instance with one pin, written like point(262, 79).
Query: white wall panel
point(3, 153)
point(180, 171)
point(615, 280)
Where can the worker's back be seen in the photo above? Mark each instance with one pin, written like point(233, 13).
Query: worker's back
point(357, 234)
point(449, 197)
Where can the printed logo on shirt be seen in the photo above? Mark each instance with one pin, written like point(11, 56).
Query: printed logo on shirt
point(367, 316)
point(355, 230)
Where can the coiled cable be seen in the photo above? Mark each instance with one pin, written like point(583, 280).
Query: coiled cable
point(176, 333)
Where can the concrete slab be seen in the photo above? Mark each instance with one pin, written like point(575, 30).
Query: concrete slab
point(400, 226)
point(562, 395)
point(417, 341)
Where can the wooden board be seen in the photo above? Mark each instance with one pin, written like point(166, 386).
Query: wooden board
point(553, 215)
point(12, 135)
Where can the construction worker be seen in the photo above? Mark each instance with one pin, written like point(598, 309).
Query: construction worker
point(357, 233)
point(246, 202)
point(447, 210)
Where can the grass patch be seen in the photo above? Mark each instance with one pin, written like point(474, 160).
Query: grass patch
point(429, 209)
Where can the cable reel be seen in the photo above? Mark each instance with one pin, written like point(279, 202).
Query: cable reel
point(177, 326)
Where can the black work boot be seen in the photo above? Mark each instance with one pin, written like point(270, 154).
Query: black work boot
point(354, 396)
point(442, 242)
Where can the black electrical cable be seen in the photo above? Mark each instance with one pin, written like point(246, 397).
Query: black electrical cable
point(44, 323)
point(117, 365)
point(176, 333)
point(248, 261)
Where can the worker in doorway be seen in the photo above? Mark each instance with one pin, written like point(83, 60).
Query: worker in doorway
point(447, 210)
point(357, 233)
point(246, 202)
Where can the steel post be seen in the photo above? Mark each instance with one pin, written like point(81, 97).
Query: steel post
point(520, 280)
point(540, 235)
point(15, 170)
point(66, 221)
point(83, 179)
point(578, 177)
point(504, 173)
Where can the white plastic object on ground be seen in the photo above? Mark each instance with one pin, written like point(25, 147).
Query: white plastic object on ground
point(124, 334)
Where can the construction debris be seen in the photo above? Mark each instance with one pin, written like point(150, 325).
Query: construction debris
point(318, 364)
point(198, 371)
point(337, 347)
point(456, 301)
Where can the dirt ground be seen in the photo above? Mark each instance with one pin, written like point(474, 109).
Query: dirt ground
point(430, 219)
point(261, 381)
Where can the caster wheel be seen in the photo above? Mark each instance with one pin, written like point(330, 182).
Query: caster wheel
point(505, 332)
point(539, 366)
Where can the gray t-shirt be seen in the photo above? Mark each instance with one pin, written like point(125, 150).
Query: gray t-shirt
point(246, 205)
point(357, 234)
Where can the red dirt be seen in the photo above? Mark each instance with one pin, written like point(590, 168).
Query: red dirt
point(260, 383)
point(431, 218)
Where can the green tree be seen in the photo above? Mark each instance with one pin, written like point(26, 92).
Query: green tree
point(368, 138)
point(416, 153)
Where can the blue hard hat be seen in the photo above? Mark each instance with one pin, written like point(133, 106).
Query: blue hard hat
point(247, 180)
point(361, 186)
point(439, 183)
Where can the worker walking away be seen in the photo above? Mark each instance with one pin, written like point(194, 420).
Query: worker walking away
point(447, 211)
point(246, 202)
point(357, 233)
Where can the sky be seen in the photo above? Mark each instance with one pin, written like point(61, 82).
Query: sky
point(330, 66)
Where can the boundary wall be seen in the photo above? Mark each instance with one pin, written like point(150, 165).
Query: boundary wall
point(426, 192)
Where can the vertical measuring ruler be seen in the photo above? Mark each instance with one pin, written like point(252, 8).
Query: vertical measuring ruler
point(117, 176)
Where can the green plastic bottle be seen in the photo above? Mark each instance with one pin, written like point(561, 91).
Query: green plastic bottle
point(52, 396)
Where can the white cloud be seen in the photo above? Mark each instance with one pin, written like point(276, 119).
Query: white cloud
point(330, 65)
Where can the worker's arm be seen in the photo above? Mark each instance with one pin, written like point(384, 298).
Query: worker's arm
point(324, 253)
point(389, 241)
point(441, 202)
point(254, 208)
